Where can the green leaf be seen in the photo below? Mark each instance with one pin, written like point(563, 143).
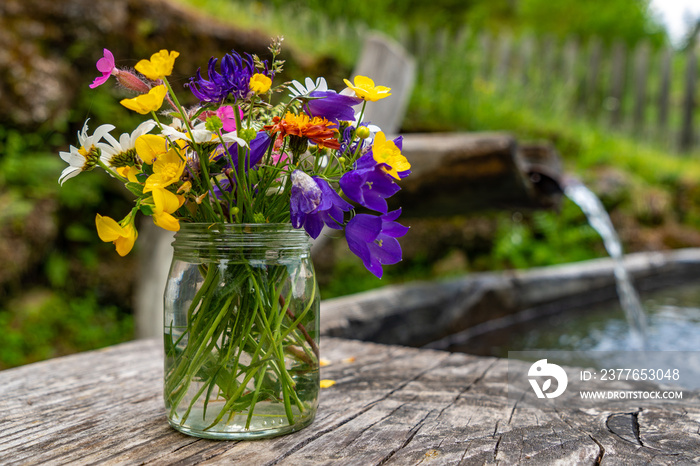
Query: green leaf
point(135, 188)
point(146, 209)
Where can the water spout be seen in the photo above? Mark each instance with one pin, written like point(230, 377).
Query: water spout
point(599, 219)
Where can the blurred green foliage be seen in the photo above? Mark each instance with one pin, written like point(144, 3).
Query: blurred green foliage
point(43, 324)
point(55, 300)
point(626, 20)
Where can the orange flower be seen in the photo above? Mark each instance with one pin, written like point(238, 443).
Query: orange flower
point(317, 130)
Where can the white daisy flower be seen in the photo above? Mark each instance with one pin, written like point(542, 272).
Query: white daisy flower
point(122, 153)
point(299, 89)
point(201, 135)
point(85, 158)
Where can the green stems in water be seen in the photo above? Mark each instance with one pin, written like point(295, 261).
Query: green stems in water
point(242, 344)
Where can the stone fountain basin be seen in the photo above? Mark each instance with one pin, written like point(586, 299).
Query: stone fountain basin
point(445, 313)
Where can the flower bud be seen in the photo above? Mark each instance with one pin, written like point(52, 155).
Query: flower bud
point(247, 134)
point(130, 81)
point(362, 132)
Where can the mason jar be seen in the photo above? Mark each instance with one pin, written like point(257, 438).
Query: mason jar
point(241, 331)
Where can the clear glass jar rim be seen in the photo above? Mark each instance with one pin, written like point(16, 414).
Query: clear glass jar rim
point(227, 236)
point(234, 226)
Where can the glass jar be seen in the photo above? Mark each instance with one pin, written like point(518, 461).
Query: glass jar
point(241, 327)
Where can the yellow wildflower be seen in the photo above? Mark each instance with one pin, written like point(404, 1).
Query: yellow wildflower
point(385, 151)
point(123, 234)
point(150, 146)
point(259, 83)
point(146, 103)
point(165, 204)
point(129, 173)
point(167, 169)
point(159, 66)
point(365, 89)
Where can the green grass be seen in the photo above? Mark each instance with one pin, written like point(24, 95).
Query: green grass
point(42, 324)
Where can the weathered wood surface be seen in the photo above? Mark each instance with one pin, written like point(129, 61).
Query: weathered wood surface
point(390, 405)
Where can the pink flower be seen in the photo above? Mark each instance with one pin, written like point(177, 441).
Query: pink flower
point(105, 65)
point(280, 159)
point(228, 118)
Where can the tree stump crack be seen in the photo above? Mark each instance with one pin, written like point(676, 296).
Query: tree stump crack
point(468, 387)
point(495, 448)
point(515, 405)
point(622, 426)
point(412, 433)
point(403, 385)
point(635, 427)
point(477, 380)
point(601, 451)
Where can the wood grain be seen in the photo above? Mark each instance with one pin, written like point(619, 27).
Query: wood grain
point(390, 405)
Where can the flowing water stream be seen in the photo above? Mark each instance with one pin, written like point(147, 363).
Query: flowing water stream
point(599, 219)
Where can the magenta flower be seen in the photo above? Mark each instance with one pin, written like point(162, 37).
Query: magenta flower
point(314, 203)
point(228, 117)
point(373, 239)
point(105, 65)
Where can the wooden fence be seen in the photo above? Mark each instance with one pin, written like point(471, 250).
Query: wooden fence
point(649, 93)
point(646, 92)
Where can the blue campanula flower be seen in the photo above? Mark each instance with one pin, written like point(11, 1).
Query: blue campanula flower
point(314, 203)
point(233, 80)
point(331, 106)
point(258, 147)
point(368, 184)
point(373, 239)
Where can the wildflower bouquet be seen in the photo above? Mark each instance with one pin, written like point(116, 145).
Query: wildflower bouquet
point(238, 157)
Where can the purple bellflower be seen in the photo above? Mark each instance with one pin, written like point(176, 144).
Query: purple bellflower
point(331, 106)
point(314, 204)
point(258, 147)
point(373, 239)
point(233, 80)
point(368, 184)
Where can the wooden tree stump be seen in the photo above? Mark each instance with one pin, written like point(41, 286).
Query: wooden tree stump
point(390, 405)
